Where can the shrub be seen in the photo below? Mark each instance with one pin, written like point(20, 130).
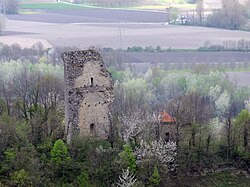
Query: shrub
point(128, 158)
point(21, 178)
point(83, 179)
point(155, 178)
point(59, 153)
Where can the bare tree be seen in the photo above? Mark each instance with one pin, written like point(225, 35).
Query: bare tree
point(179, 109)
point(200, 10)
point(11, 6)
point(2, 23)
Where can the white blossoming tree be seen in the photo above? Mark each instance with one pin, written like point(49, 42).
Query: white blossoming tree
point(134, 126)
point(160, 151)
point(157, 153)
point(247, 105)
point(127, 179)
point(214, 92)
point(221, 100)
point(132, 130)
point(222, 104)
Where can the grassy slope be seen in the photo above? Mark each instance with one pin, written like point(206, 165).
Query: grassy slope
point(50, 6)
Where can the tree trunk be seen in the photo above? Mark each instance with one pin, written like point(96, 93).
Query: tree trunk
point(208, 142)
point(229, 125)
point(193, 137)
point(245, 137)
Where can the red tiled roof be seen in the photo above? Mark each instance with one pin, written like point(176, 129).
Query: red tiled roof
point(166, 118)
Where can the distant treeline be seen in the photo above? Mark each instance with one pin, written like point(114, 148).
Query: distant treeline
point(138, 55)
point(34, 54)
point(229, 45)
point(15, 52)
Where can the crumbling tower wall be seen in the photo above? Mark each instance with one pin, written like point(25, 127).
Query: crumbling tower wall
point(89, 94)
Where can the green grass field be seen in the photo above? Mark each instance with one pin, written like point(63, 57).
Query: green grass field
point(55, 5)
point(51, 6)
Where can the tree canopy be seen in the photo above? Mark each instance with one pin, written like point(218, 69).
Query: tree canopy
point(233, 15)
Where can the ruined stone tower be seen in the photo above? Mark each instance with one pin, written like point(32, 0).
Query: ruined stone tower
point(88, 94)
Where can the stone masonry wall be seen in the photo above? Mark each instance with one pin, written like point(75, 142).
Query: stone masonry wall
point(89, 94)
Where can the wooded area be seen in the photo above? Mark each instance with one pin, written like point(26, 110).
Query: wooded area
point(210, 130)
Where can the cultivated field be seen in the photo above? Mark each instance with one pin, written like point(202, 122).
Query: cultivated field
point(98, 27)
point(58, 13)
point(113, 28)
point(190, 57)
point(240, 78)
point(124, 35)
